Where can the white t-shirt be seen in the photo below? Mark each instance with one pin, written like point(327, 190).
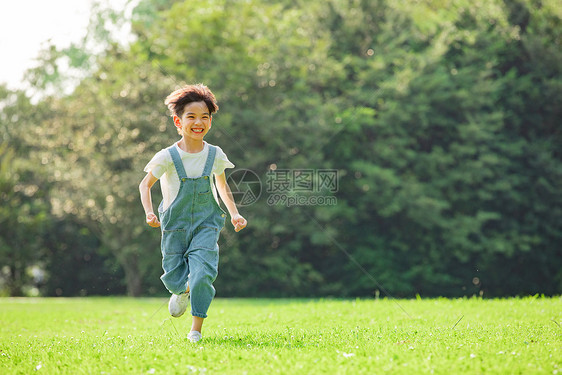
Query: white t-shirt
point(162, 167)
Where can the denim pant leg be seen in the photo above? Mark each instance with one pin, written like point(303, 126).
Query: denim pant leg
point(203, 265)
point(174, 264)
point(176, 271)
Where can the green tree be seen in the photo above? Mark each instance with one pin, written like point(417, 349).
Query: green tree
point(24, 211)
point(440, 118)
point(444, 182)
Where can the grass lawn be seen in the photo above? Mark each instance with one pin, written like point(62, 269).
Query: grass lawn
point(248, 336)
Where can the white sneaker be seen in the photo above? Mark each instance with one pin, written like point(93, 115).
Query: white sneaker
point(194, 336)
point(178, 304)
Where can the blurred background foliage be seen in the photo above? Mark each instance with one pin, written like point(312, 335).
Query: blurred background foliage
point(442, 118)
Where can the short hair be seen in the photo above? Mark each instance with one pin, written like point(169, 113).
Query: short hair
point(181, 97)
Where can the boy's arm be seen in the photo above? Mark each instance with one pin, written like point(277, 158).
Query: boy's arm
point(225, 193)
point(146, 199)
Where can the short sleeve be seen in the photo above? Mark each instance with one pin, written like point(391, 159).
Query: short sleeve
point(221, 162)
point(159, 164)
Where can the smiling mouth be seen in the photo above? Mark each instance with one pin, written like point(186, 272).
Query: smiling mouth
point(197, 130)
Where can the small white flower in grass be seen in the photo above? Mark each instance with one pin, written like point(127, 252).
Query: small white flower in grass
point(472, 355)
point(151, 371)
point(347, 355)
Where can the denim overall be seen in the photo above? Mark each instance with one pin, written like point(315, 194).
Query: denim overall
point(190, 231)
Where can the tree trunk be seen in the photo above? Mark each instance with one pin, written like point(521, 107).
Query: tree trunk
point(14, 282)
point(133, 276)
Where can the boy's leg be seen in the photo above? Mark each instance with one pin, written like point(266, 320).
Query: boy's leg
point(174, 262)
point(203, 267)
point(195, 333)
point(176, 271)
point(197, 324)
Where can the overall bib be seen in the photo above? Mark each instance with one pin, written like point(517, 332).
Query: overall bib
point(190, 232)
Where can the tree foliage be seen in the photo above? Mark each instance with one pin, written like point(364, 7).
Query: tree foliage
point(441, 118)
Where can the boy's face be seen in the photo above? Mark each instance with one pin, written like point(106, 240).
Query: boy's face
point(195, 121)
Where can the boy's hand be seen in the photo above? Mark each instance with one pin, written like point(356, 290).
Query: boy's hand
point(239, 222)
point(152, 220)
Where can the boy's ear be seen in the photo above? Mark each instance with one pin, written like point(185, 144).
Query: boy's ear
point(177, 121)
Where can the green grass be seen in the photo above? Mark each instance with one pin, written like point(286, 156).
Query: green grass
point(435, 336)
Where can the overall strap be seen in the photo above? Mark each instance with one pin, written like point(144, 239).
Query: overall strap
point(177, 162)
point(210, 161)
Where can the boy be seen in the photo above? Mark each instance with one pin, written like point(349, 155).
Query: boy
point(190, 215)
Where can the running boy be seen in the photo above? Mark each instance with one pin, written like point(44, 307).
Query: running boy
point(190, 215)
